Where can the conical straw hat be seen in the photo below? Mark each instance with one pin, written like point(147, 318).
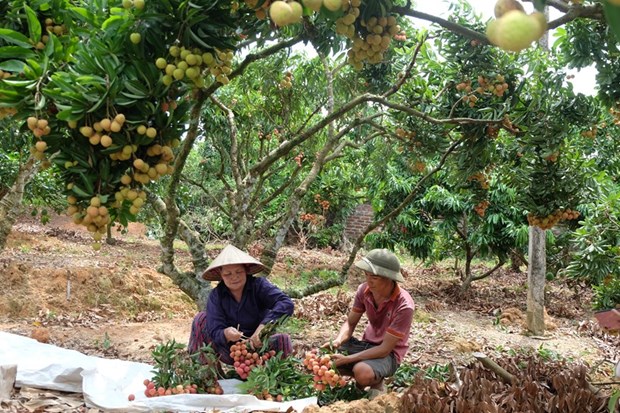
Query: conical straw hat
point(232, 255)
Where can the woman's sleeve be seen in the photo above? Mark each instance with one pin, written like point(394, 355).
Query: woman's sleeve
point(216, 322)
point(275, 301)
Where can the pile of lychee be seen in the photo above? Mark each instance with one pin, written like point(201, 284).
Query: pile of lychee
point(152, 390)
point(515, 30)
point(193, 65)
point(245, 358)
point(324, 373)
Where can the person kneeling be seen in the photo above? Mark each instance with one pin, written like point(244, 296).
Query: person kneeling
point(389, 310)
point(239, 307)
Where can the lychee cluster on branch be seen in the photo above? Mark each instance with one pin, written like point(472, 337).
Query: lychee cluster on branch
point(481, 178)
point(95, 217)
point(481, 207)
point(39, 128)
point(139, 148)
point(552, 219)
point(371, 38)
point(193, 65)
point(615, 112)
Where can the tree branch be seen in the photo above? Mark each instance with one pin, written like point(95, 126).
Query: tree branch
point(453, 27)
point(207, 193)
point(234, 152)
point(489, 272)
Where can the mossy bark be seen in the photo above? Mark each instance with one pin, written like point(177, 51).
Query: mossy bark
point(536, 272)
point(174, 226)
point(11, 203)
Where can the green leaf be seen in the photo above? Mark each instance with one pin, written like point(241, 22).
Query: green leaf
point(36, 67)
point(613, 401)
point(612, 14)
point(88, 183)
point(12, 52)
point(82, 14)
point(50, 46)
point(20, 83)
point(12, 66)
point(80, 192)
point(41, 103)
point(111, 21)
point(14, 37)
point(34, 27)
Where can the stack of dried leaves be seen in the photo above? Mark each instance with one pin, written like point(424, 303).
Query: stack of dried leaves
point(322, 305)
point(540, 386)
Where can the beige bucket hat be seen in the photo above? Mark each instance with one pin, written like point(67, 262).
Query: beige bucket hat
point(381, 262)
point(232, 255)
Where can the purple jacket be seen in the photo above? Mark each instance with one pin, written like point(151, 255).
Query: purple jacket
point(261, 303)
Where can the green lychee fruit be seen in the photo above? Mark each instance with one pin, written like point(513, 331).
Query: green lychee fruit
point(280, 13)
point(161, 63)
point(332, 5)
point(297, 11)
point(516, 31)
point(314, 5)
point(542, 22)
point(504, 6)
point(135, 38)
point(492, 31)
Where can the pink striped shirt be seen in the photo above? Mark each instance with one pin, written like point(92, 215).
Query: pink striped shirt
point(393, 316)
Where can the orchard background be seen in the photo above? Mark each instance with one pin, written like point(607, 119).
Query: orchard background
point(209, 122)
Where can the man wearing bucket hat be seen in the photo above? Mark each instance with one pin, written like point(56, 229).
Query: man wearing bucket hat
point(389, 310)
point(239, 307)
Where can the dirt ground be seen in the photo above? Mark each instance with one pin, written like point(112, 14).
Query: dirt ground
point(113, 303)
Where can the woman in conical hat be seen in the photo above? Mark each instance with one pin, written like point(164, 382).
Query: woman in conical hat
point(240, 306)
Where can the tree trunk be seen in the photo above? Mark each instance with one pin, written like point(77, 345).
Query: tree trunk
point(191, 283)
point(171, 222)
point(536, 272)
point(10, 204)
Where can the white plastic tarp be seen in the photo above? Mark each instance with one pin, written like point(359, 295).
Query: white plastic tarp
point(106, 383)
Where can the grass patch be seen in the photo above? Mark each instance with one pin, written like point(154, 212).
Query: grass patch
point(15, 307)
point(421, 316)
point(293, 326)
point(304, 279)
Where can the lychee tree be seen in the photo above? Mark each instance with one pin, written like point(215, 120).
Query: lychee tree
point(112, 87)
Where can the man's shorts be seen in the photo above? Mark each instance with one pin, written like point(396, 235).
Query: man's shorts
point(383, 367)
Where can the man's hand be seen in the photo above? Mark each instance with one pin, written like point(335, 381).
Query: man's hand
point(339, 359)
point(332, 344)
point(232, 334)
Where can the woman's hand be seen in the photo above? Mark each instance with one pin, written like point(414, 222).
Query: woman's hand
point(232, 334)
point(255, 339)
